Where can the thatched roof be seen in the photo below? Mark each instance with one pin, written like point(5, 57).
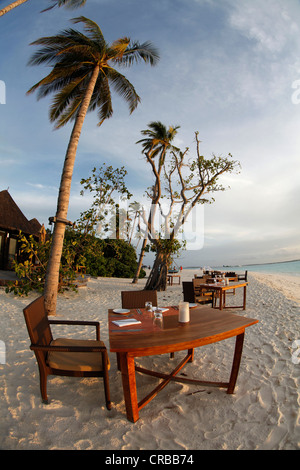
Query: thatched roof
point(13, 219)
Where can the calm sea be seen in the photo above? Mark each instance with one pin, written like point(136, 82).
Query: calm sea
point(290, 267)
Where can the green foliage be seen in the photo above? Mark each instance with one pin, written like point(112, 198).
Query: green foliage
point(32, 267)
point(105, 184)
point(105, 258)
point(120, 258)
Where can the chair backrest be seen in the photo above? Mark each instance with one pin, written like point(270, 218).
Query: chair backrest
point(37, 322)
point(188, 291)
point(197, 282)
point(243, 277)
point(137, 298)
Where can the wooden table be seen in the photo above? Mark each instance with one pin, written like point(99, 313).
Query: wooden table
point(221, 289)
point(171, 278)
point(206, 326)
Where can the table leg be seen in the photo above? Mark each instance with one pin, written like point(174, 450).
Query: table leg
point(191, 352)
point(221, 299)
point(129, 387)
point(236, 362)
point(244, 302)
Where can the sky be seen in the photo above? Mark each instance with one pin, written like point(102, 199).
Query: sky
point(229, 69)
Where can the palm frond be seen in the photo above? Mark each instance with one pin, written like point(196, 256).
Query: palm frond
point(72, 4)
point(102, 99)
point(54, 46)
point(137, 52)
point(124, 88)
point(93, 30)
point(65, 96)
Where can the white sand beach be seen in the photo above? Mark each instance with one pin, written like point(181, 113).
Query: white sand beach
point(263, 413)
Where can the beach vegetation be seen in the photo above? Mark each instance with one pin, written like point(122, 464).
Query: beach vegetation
point(32, 266)
point(81, 251)
point(83, 69)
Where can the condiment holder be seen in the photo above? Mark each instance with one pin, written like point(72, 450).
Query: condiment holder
point(184, 312)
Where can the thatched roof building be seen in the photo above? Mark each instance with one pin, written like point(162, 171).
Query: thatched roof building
point(12, 221)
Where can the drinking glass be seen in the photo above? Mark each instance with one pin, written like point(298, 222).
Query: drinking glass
point(158, 313)
point(158, 317)
point(148, 306)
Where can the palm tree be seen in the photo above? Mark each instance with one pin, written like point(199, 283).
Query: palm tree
point(80, 78)
point(158, 140)
point(156, 143)
point(58, 3)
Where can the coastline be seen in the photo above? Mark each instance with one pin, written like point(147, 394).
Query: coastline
point(263, 414)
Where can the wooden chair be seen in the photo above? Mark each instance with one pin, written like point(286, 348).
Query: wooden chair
point(137, 298)
point(64, 356)
point(230, 274)
point(202, 295)
point(188, 291)
point(243, 277)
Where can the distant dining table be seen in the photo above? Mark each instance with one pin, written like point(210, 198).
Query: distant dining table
point(143, 337)
point(222, 288)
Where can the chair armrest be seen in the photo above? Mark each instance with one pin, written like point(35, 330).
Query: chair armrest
point(38, 347)
point(78, 322)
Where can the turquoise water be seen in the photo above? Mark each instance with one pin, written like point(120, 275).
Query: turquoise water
point(290, 267)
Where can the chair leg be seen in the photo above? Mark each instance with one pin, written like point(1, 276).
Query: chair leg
point(43, 386)
point(107, 391)
point(106, 380)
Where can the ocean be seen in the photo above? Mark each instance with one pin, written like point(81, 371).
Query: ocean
point(291, 268)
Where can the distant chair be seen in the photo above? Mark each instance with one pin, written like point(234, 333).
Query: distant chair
point(188, 291)
point(242, 277)
point(137, 298)
point(202, 295)
point(65, 356)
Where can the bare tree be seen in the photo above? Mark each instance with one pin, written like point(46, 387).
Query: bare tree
point(155, 144)
point(188, 182)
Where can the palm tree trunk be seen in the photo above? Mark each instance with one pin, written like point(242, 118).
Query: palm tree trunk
point(52, 275)
point(11, 6)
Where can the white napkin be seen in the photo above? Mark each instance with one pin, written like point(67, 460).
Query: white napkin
point(129, 321)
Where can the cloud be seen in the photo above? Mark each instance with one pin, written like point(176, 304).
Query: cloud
point(271, 24)
point(43, 187)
